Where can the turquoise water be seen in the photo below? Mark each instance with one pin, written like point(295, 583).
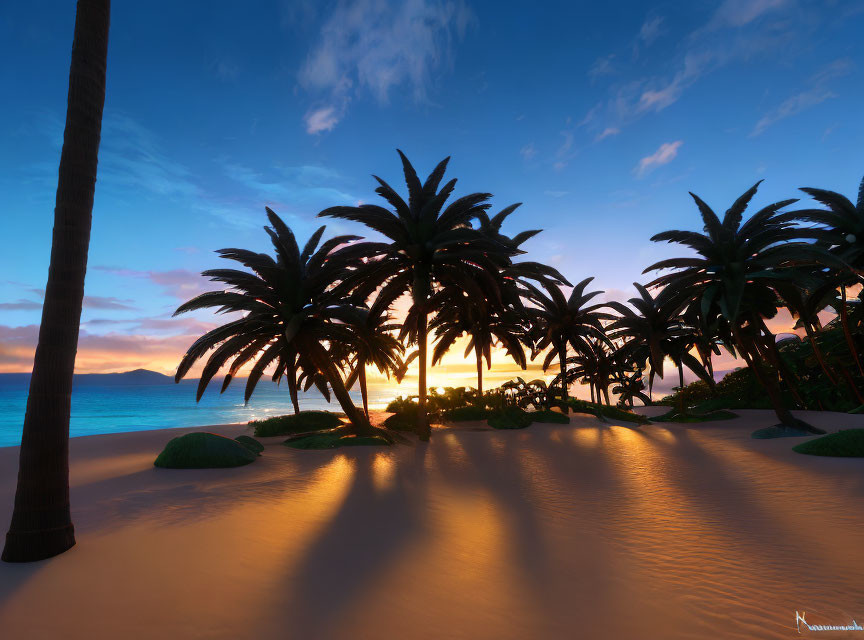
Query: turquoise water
point(118, 408)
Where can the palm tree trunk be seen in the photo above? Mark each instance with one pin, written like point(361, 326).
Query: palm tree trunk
point(325, 365)
point(479, 371)
point(363, 393)
point(844, 318)
point(818, 352)
point(591, 388)
point(424, 431)
point(769, 383)
point(41, 524)
point(292, 388)
point(562, 357)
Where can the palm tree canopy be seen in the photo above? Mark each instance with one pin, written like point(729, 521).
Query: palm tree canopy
point(285, 306)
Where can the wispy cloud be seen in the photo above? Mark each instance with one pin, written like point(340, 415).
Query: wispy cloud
point(665, 154)
point(738, 13)
point(602, 67)
point(556, 194)
point(374, 46)
point(651, 29)
point(817, 93)
point(528, 152)
point(181, 284)
point(608, 132)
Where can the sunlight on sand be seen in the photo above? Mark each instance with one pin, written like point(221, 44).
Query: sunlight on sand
point(584, 530)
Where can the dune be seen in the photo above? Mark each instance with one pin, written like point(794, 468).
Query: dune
point(586, 530)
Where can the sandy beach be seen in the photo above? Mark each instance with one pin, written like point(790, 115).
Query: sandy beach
point(558, 531)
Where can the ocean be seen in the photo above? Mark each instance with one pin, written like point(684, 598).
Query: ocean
point(110, 406)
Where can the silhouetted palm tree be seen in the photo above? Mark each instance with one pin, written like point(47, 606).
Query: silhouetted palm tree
point(734, 277)
point(374, 343)
point(428, 247)
point(41, 524)
point(558, 321)
point(288, 312)
point(484, 322)
point(844, 223)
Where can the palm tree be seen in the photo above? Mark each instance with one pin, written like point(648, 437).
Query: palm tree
point(428, 247)
point(733, 279)
point(373, 343)
point(559, 321)
point(844, 222)
point(484, 322)
point(41, 524)
point(289, 314)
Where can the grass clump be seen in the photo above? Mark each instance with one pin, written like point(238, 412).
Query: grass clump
point(250, 443)
point(204, 450)
point(359, 441)
point(547, 416)
point(777, 431)
point(466, 414)
point(848, 443)
point(314, 441)
point(510, 419)
point(302, 422)
point(603, 411)
point(687, 417)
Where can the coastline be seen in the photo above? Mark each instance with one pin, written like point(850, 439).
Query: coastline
point(660, 531)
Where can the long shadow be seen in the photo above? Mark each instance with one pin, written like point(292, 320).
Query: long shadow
point(359, 544)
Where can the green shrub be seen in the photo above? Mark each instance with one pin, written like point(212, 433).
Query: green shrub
point(402, 421)
point(314, 441)
point(466, 414)
point(769, 433)
point(400, 405)
point(547, 416)
point(302, 422)
point(510, 419)
point(250, 443)
point(203, 450)
point(848, 443)
point(603, 411)
point(357, 441)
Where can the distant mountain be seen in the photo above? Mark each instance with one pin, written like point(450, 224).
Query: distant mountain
point(126, 378)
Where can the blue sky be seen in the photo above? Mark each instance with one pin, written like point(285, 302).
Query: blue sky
point(599, 117)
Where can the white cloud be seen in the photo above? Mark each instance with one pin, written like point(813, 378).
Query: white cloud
point(665, 154)
point(737, 13)
point(651, 30)
point(602, 67)
point(528, 152)
point(377, 45)
point(608, 132)
point(323, 119)
point(816, 94)
point(556, 194)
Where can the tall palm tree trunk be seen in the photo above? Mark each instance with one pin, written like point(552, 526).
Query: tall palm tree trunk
point(479, 371)
point(424, 431)
point(562, 358)
point(769, 383)
point(292, 388)
point(363, 392)
point(41, 524)
point(323, 363)
point(811, 335)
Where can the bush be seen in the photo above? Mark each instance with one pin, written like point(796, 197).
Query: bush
point(466, 414)
point(250, 443)
point(400, 405)
point(357, 441)
point(547, 416)
point(314, 441)
point(603, 411)
point(510, 419)
point(303, 422)
point(848, 443)
point(204, 451)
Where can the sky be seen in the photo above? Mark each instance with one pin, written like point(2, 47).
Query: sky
point(598, 117)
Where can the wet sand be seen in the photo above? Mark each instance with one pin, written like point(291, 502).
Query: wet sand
point(584, 530)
